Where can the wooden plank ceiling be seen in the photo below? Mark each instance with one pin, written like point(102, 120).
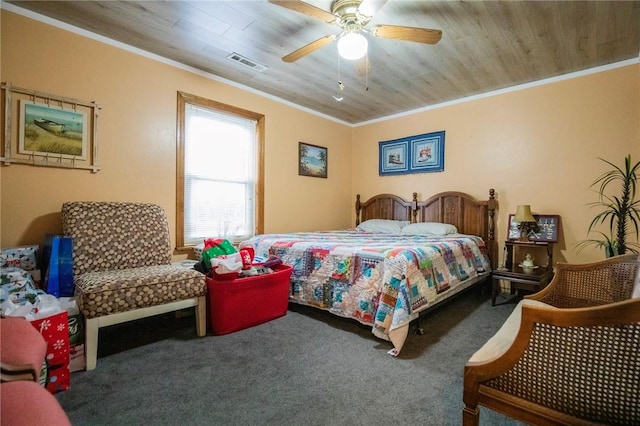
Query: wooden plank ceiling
point(486, 45)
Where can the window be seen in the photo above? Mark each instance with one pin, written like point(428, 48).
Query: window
point(219, 171)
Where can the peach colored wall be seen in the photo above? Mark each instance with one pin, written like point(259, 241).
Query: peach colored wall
point(137, 142)
point(537, 146)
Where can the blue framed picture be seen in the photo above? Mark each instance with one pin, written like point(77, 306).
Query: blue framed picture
point(427, 152)
point(414, 154)
point(394, 157)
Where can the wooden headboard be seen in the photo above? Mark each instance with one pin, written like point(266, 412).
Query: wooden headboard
point(470, 215)
point(387, 206)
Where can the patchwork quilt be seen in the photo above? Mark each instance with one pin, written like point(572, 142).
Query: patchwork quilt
point(379, 279)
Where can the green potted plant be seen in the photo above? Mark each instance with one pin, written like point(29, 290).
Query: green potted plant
point(619, 212)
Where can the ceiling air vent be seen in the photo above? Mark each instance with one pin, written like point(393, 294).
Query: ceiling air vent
point(247, 62)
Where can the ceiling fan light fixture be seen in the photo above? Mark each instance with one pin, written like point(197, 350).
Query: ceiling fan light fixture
point(352, 46)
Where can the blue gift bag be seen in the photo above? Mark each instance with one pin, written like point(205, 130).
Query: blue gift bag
point(59, 275)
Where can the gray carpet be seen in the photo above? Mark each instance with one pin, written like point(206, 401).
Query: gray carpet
point(306, 368)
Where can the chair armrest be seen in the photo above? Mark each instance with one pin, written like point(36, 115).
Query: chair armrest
point(22, 348)
point(12, 372)
point(565, 364)
point(591, 284)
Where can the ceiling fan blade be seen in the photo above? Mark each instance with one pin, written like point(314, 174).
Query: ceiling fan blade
point(307, 9)
point(419, 35)
point(309, 48)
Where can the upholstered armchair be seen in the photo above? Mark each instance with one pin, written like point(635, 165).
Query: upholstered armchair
point(24, 401)
point(22, 350)
point(568, 354)
point(122, 267)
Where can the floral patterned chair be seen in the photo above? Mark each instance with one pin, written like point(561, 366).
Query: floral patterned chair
point(122, 267)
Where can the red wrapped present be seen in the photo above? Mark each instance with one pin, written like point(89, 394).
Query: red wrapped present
point(55, 330)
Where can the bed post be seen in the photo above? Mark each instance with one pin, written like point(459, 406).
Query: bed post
point(358, 208)
point(493, 245)
point(414, 207)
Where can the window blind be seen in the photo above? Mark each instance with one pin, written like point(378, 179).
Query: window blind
point(219, 175)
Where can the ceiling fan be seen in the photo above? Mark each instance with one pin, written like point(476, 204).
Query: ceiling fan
point(353, 16)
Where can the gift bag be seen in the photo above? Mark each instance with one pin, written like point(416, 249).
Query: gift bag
point(214, 248)
point(58, 252)
point(55, 330)
point(76, 334)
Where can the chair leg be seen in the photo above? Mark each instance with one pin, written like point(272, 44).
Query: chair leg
point(91, 342)
point(495, 287)
point(470, 416)
point(201, 316)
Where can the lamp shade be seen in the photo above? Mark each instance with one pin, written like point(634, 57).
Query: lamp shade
point(523, 214)
point(352, 46)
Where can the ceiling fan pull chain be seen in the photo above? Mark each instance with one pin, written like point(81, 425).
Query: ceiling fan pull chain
point(366, 73)
point(338, 96)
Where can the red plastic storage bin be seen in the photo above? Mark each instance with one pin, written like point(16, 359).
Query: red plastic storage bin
point(245, 302)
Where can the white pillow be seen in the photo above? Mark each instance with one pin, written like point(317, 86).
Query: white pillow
point(426, 228)
point(506, 335)
point(383, 225)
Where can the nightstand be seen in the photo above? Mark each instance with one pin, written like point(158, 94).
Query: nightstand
point(531, 279)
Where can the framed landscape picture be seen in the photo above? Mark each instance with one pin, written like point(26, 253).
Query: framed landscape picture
point(47, 130)
point(312, 160)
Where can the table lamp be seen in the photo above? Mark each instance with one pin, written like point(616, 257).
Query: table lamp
point(525, 220)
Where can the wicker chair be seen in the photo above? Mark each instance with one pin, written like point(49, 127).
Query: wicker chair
point(122, 267)
point(568, 354)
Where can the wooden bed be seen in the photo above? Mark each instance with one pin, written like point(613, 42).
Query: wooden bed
point(389, 278)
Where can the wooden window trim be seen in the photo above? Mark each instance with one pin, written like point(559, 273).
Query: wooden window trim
point(183, 100)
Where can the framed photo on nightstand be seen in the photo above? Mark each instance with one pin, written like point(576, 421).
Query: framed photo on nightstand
point(548, 228)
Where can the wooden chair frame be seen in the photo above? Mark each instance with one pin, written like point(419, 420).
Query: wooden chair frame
point(535, 379)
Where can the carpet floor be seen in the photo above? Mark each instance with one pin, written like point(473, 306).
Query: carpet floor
point(305, 368)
